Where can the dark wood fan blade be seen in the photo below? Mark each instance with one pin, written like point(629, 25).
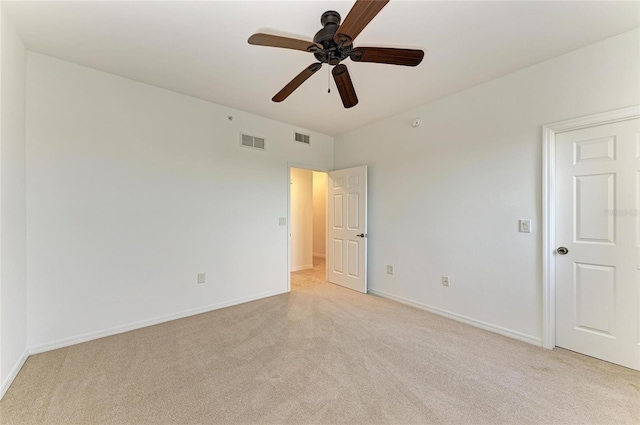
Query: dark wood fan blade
point(407, 57)
point(345, 86)
point(296, 82)
point(260, 39)
point(358, 17)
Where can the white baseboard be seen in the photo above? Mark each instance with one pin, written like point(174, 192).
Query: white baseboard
point(319, 255)
point(65, 342)
point(460, 318)
point(304, 267)
point(14, 372)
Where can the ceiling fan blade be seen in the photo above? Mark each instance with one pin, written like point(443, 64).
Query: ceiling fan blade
point(345, 86)
point(358, 17)
point(296, 82)
point(260, 39)
point(407, 57)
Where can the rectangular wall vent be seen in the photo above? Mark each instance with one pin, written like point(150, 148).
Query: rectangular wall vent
point(249, 141)
point(303, 138)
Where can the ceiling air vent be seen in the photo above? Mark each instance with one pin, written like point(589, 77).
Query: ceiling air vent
point(303, 138)
point(249, 141)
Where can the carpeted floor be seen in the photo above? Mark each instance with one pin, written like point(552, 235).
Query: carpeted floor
point(321, 354)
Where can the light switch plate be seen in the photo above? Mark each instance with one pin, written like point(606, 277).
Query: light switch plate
point(389, 269)
point(201, 278)
point(525, 226)
point(283, 221)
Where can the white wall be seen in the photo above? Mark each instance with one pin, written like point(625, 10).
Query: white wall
point(133, 190)
point(319, 213)
point(445, 198)
point(13, 284)
point(301, 219)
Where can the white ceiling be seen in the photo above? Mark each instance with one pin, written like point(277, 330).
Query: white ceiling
point(200, 48)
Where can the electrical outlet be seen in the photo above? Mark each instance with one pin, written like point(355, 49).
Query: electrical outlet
point(201, 278)
point(389, 269)
point(445, 281)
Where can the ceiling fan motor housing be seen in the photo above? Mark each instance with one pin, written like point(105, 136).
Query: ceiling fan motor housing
point(333, 53)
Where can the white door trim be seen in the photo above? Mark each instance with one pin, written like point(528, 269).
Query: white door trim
point(549, 132)
point(291, 165)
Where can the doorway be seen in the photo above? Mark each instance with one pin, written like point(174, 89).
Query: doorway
point(307, 225)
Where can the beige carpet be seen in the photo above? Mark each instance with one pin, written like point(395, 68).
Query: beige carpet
point(321, 354)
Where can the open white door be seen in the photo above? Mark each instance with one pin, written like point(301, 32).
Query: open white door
point(347, 233)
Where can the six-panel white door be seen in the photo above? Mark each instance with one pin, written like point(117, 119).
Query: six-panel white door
point(597, 280)
point(347, 232)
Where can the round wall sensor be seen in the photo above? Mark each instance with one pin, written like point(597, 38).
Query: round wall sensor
point(417, 122)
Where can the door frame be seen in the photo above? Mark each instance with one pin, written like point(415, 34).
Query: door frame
point(302, 166)
point(549, 132)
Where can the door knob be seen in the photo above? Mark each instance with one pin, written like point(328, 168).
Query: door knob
point(562, 250)
point(361, 235)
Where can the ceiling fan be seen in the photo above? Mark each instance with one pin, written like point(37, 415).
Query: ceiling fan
point(334, 43)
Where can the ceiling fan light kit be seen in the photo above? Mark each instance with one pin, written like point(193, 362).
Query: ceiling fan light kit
point(334, 43)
